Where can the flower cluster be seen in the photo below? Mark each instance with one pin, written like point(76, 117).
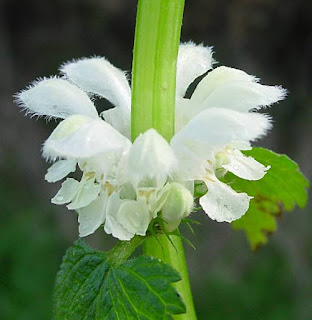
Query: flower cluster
point(124, 185)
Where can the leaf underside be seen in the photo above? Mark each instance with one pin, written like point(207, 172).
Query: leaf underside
point(91, 287)
point(281, 189)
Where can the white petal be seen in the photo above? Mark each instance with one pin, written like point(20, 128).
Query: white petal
point(60, 170)
point(244, 167)
point(162, 196)
point(88, 191)
point(218, 127)
point(119, 119)
point(192, 160)
point(211, 130)
point(90, 140)
point(193, 61)
point(243, 96)
point(69, 126)
point(216, 78)
point(185, 110)
point(126, 191)
point(97, 75)
point(147, 195)
point(134, 217)
point(67, 192)
point(104, 165)
point(112, 226)
point(150, 160)
point(179, 177)
point(234, 89)
point(92, 216)
point(55, 97)
point(222, 203)
point(240, 145)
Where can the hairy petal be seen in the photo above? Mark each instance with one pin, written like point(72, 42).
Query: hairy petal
point(60, 170)
point(69, 126)
point(234, 89)
point(193, 61)
point(91, 139)
point(218, 127)
point(245, 167)
point(218, 77)
point(92, 216)
point(104, 165)
point(150, 158)
point(99, 76)
point(119, 119)
point(215, 128)
point(242, 96)
point(222, 203)
point(55, 97)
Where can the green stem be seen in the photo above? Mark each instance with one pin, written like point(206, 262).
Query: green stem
point(173, 254)
point(124, 249)
point(156, 45)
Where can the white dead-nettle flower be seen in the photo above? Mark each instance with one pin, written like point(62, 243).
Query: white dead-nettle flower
point(122, 184)
point(214, 125)
point(125, 186)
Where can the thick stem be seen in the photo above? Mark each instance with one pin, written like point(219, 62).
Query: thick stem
point(173, 254)
point(156, 45)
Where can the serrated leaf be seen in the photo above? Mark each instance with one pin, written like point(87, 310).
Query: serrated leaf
point(256, 224)
point(283, 187)
point(91, 287)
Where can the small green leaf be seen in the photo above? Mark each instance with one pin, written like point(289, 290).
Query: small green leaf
point(90, 286)
point(283, 187)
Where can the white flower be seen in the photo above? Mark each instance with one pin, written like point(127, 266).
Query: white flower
point(121, 183)
point(213, 125)
point(124, 186)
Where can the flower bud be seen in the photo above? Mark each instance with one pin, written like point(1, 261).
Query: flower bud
point(178, 205)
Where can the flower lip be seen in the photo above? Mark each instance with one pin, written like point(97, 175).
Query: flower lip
point(55, 98)
point(89, 140)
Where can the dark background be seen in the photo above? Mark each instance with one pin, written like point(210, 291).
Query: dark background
point(270, 39)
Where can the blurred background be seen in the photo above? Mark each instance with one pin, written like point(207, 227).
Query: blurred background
point(268, 38)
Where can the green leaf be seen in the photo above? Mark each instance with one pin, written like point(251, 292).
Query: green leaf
point(90, 286)
point(283, 187)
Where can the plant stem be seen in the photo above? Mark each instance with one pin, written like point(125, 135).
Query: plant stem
point(124, 249)
point(156, 45)
point(174, 255)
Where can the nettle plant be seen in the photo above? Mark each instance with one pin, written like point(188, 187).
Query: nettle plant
point(150, 161)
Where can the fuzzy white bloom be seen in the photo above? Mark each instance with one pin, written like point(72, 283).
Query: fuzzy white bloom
point(214, 125)
point(124, 185)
